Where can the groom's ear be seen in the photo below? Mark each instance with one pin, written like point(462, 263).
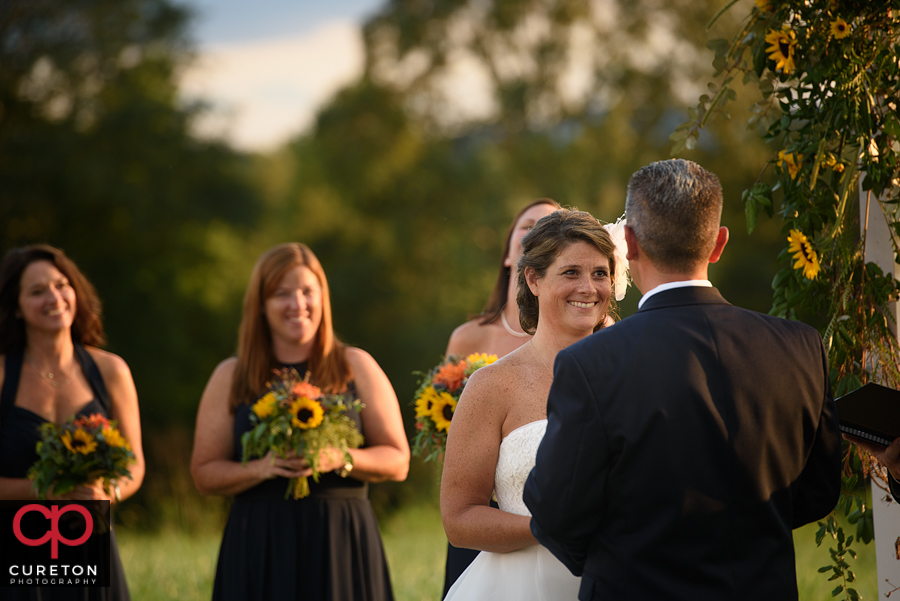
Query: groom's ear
point(631, 243)
point(721, 241)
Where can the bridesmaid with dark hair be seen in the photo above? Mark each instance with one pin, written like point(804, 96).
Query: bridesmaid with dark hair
point(324, 547)
point(51, 370)
point(496, 331)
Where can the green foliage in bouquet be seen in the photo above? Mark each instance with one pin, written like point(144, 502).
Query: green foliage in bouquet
point(80, 451)
point(295, 418)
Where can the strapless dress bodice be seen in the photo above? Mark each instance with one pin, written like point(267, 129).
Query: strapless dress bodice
point(517, 455)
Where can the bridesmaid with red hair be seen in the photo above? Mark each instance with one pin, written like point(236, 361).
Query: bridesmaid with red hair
point(325, 546)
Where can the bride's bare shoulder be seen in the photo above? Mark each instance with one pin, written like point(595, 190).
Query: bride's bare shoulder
point(497, 381)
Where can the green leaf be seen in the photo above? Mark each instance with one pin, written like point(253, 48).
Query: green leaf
point(837, 590)
point(718, 44)
point(780, 277)
point(719, 14)
point(892, 125)
point(751, 209)
point(759, 61)
point(820, 535)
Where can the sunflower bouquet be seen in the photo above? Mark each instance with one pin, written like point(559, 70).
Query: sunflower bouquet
point(295, 417)
point(435, 401)
point(80, 451)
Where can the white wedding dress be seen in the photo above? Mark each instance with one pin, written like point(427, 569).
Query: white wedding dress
point(529, 574)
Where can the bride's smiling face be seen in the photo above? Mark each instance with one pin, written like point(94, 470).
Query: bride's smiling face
point(574, 292)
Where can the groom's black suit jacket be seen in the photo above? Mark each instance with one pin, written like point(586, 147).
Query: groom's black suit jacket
point(683, 445)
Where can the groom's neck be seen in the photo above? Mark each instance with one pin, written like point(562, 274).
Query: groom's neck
point(649, 276)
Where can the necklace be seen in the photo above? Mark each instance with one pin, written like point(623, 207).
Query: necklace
point(538, 355)
point(55, 380)
point(509, 329)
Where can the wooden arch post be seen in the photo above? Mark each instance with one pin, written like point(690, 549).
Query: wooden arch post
point(880, 250)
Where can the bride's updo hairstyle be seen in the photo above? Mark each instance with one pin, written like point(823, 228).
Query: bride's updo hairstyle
point(256, 358)
point(542, 245)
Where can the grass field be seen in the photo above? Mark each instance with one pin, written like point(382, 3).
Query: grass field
point(173, 565)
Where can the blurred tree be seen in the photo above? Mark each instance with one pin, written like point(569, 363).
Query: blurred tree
point(405, 196)
point(575, 96)
point(96, 157)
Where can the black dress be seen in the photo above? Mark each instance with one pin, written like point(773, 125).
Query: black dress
point(325, 547)
point(19, 433)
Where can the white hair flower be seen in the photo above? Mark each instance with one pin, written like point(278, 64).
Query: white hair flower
point(617, 233)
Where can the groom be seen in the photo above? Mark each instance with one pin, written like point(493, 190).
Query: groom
point(685, 442)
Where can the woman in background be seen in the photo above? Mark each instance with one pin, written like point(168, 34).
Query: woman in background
point(495, 332)
point(324, 547)
point(50, 371)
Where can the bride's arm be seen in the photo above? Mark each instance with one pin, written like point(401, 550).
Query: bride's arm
point(473, 445)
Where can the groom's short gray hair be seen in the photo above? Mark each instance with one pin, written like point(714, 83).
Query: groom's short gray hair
point(674, 208)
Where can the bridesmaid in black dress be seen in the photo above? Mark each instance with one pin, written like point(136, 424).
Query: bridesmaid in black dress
point(325, 546)
point(50, 370)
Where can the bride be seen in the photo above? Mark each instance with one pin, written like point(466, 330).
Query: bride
point(566, 275)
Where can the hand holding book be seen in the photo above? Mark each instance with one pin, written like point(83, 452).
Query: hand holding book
point(870, 418)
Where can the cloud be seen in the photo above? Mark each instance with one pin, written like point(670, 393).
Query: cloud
point(265, 92)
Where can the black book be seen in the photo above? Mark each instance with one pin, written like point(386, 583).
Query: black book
point(871, 413)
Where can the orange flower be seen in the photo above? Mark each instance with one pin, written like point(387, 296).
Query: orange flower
point(94, 421)
point(308, 390)
point(451, 375)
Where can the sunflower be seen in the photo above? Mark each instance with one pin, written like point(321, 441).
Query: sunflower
point(840, 29)
point(804, 255)
point(782, 49)
point(114, 439)
point(307, 413)
point(792, 159)
point(835, 164)
point(442, 411)
point(482, 358)
point(265, 406)
point(80, 442)
point(425, 403)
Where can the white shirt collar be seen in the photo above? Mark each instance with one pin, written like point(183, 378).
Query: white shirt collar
point(671, 285)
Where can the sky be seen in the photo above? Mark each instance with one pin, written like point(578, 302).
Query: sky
point(266, 66)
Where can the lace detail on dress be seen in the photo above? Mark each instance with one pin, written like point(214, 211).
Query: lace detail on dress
point(517, 455)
